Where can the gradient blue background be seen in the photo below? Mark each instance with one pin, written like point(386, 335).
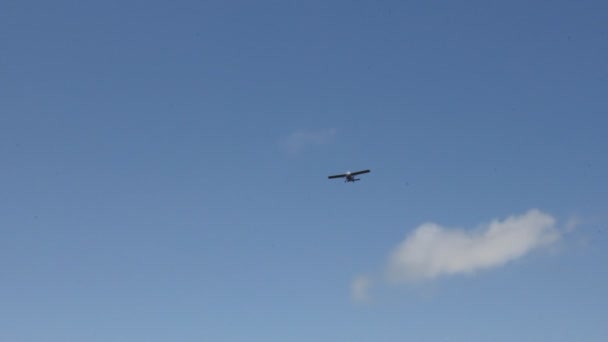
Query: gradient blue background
point(146, 194)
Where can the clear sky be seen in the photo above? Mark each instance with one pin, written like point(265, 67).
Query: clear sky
point(164, 171)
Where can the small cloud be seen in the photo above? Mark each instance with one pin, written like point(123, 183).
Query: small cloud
point(360, 289)
point(299, 140)
point(432, 250)
point(572, 224)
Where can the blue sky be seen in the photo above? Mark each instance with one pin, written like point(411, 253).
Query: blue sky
point(164, 171)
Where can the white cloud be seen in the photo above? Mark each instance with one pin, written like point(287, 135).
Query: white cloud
point(299, 140)
point(360, 288)
point(432, 251)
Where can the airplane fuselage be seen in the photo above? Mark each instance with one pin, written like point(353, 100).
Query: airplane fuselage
point(350, 178)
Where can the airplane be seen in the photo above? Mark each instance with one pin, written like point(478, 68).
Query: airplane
point(350, 176)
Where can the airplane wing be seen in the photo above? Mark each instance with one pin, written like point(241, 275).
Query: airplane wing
point(337, 176)
point(359, 172)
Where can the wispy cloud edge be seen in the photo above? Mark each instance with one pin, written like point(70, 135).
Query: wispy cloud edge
point(301, 139)
point(360, 289)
